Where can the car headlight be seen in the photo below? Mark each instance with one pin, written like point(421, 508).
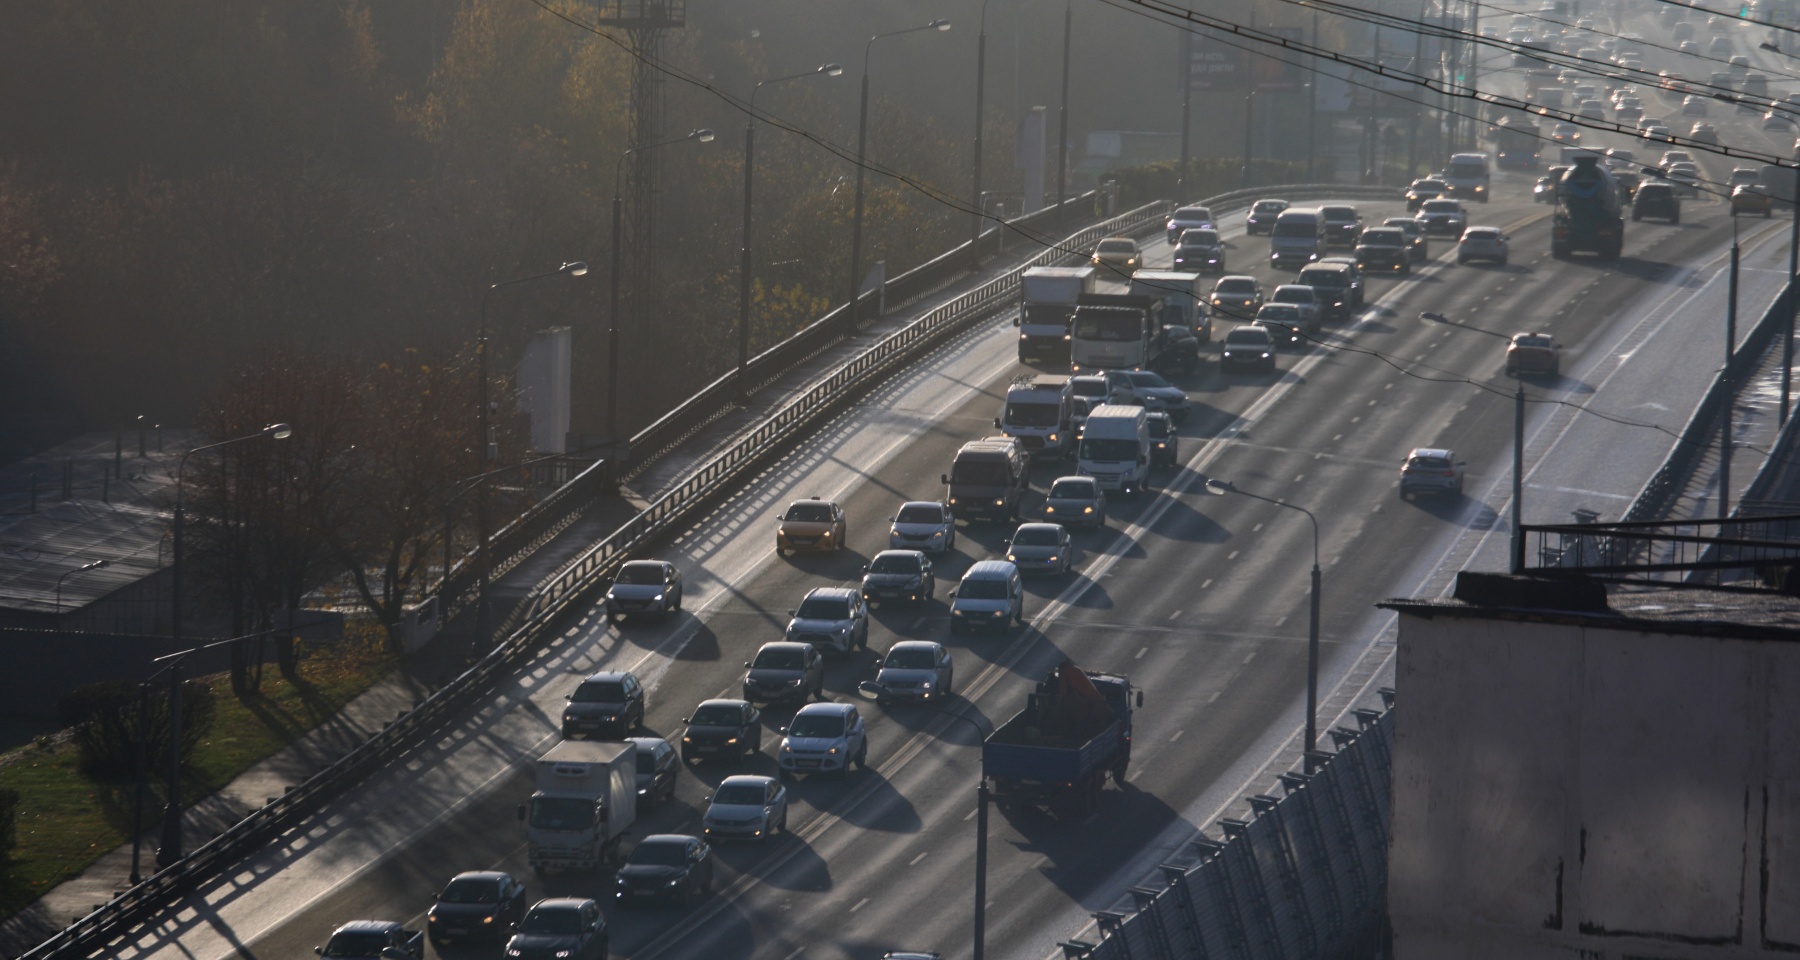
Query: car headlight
point(999, 503)
point(731, 741)
point(1011, 558)
point(1087, 509)
point(1051, 438)
point(514, 952)
point(609, 595)
point(1049, 509)
point(659, 598)
point(488, 919)
point(956, 611)
point(999, 613)
point(833, 751)
point(893, 531)
point(673, 883)
point(1265, 355)
point(925, 685)
point(826, 535)
point(687, 739)
point(564, 953)
point(1052, 559)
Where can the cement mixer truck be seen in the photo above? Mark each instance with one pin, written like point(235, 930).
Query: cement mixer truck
point(1587, 218)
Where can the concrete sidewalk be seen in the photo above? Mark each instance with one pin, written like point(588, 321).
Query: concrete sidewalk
point(426, 668)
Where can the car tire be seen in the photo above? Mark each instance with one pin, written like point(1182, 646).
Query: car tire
point(686, 757)
point(949, 685)
point(567, 734)
point(862, 757)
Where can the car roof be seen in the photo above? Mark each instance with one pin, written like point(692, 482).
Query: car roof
point(670, 839)
point(910, 554)
point(651, 743)
point(932, 645)
point(921, 503)
point(561, 903)
point(990, 570)
point(607, 676)
point(366, 926)
point(648, 563)
point(831, 593)
point(825, 709)
point(755, 778)
point(784, 645)
point(1334, 266)
point(494, 875)
point(1431, 452)
point(724, 702)
point(1075, 477)
point(1036, 525)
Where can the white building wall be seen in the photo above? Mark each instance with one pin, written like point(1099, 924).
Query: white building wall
point(1562, 791)
point(544, 389)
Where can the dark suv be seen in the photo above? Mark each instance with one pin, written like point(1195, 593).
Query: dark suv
point(1331, 283)
point(607, 704)
point(1386, 249)
point(1342, 225)
point(1656, 199)
point(561, 928)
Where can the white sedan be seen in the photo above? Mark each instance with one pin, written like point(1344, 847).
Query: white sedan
point(1482, 243)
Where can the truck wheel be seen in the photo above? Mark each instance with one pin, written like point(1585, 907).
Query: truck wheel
point(1118, 776)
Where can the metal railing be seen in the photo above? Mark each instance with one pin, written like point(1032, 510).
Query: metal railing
point(529, 622)
point(1305, 879)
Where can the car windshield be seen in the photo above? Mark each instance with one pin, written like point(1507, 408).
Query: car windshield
point(823, 608)
point(920, 513)
point(809, 513)
point(1533, 340)
point(1268, 206)
point(1442, 206)
point(894, 563)
point(912, 658)
point(356, 945)
point(1428, 463)
point(740, 793)
point(1200, 238)
point(985, 588)
point(1383, 237)
point(1116, 325)
point(555, 921)
point(1481, 235)
point(1072, 490)
point(1236, 287)
point(979, 473)
point(1035, 537)
point(1118, 246)
point(1201, 214)
point(1296, 228)
point(472, 890)
point(660, 853)
point(1340, 214)
point(779, 658)
point(1029, 415)
point(1108, 449)
point(641, 573)
point(1145, 378)
point(600, 691)
point(1322, 278)
point(646, 759)
point(1248, 337)
point(1293, 294)
point(561, 813)
point(717, 715)
point(1279, 313)
point(1159, 427)
point(816, 725)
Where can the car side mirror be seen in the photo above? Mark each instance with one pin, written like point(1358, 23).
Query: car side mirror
point(944, 479)
point(781, 730)
point(996, 423)
point(319, 950)
point(1140, 698)
point(686, 720)
point(570, 698)
point(1018, 320)
point(953, 594)
point(790, 613)
point(746, 664)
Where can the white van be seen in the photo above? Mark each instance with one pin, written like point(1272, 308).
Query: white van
point(991, 596)
point(1115, 448)
point(1298, 237)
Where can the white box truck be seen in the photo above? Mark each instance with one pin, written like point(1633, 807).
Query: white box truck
point(1183, 295)
point(1115, 448)
point(1048, 296)
point(585, 800)
point(1036, 413)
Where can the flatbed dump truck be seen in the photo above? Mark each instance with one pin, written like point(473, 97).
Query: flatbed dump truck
point(1074, 732)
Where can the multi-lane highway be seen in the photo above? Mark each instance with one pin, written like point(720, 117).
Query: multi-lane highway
point(1201, 599)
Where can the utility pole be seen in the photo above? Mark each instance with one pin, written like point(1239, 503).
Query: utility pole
point(1062, 137)
point(1187, 116)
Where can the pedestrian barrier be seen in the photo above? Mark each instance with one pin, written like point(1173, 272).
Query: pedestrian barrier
point(529, 623)
point(1304, 879)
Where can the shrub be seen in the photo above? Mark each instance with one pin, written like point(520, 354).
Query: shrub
point(1211, 176)
point(105, 719)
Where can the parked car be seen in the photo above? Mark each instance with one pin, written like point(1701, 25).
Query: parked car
point(919, 669)
point(1200, 249)
point(1261, 218)
point(644, 587)
point(1532, 353)
point(1656, 198)
point(1040, 548)
point(608, 704)
point(666, 866)
point(1482, 243)
point(899, 575)
point(1247, 346)
point(1750, 198)
point(1074, 501)
point(747, 807)
point(922, 525)
point(560, 928)
point(476, 905)
point(825, 738)
point(1117, 256)
point(722, 728)
point(657, 766)
point(784, 670)
point(811, 524)
point(1430, 470)
point(1237, 296)
point(834, 619)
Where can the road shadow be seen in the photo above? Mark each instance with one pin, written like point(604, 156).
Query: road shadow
point(1184, 523)
point(1076, 853)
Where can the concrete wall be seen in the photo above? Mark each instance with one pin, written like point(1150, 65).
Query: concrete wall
point(1563, 791)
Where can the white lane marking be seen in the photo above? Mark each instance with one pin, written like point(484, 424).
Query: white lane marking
point(1250, 656)
point(1140, 654)
point(1206, 584)
point(1175, 736)
point(859, 904)
point(1232, 555)
point(915, 861)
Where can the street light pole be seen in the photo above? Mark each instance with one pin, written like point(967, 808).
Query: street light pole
point(170, 850)
point(484, 447)
point(1187, 115)
point(745, 266)
point(90, 565)
point(1249, 115)
point(862, 155)
point(1516, 551)
point(618, 244)
point(1312, 630)
point(1725, 427)
point(872, 690)
point(1062, 136)
point(975, 190)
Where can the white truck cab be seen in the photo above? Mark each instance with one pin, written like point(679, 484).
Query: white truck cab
point(1115, 448)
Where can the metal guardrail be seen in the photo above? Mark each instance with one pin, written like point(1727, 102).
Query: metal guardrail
point(549, 600)
point(1306, 879)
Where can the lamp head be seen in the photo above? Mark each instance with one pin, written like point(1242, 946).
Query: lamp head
point(576, 269)
point(1217, 487)
point(832, 70)
point(1766, 45)
point(93, 565)
point(703, 135)
point(278, 431)
point(1434, 317)
point(939, 25)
